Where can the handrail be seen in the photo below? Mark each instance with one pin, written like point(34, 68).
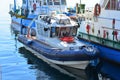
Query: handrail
point(109, 18)
point(111, 29)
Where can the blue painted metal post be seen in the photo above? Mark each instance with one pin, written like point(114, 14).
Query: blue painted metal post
point(27, 4)
point(14, 5)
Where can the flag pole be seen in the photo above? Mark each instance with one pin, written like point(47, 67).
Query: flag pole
point(14, 5)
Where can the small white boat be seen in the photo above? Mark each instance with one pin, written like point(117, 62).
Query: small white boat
point(54, 40)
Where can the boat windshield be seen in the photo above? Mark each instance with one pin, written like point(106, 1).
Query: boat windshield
point(67, 31)
point(56, 2)
point(64, 21)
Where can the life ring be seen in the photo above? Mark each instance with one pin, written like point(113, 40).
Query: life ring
point(34, 6)
point(97, 10)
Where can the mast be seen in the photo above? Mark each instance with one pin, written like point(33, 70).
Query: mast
point(14, 5)
point(60, 7)
point(27, 4)
point(80, 1)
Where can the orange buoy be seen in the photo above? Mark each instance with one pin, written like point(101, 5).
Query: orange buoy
point(67, 39)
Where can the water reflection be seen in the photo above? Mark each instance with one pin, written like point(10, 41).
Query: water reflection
point(42, 70)
point(15, 35)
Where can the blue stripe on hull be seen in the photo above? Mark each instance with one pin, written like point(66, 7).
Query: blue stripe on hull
point(60, 55)
point(110, 54)
point(26, 21)
point(106, 53)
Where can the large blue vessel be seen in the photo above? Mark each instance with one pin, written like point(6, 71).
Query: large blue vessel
point(22, 15)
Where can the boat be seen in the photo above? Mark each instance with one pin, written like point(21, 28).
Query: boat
point(53, 39)
point(99, 26)
point(22, 15)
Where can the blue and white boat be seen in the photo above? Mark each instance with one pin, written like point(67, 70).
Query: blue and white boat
point(22, 15)
point(99, 26)
point(53, 40)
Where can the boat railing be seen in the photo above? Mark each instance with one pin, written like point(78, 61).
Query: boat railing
point(111, 28)
point(99, 40)
point(44, 10)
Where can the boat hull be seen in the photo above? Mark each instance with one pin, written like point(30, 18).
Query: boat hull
point(106, 53)
point(16, 24)
point(75, 59)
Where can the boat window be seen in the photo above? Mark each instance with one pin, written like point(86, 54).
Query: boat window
point(63, 2)
point(30, 3)
point(65, 32)
point(118, 5)
point(64, 21)
point(52, 33)
point(56, 2)
point(37, 1)
point(33, 32)
point(113, 5)
point(44, 2)
point(49, 2)
point(74, 31)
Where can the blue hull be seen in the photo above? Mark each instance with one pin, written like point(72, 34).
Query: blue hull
point(58, 54)
point(27, 21)
point(106, 53)
point(109, 70)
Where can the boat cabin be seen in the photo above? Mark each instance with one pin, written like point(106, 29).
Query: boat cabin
point(44, 6)
point(59, 26)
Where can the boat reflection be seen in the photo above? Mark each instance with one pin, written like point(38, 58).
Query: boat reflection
point(42, 69)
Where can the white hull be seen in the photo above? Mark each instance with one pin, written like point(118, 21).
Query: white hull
point(73, 64)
